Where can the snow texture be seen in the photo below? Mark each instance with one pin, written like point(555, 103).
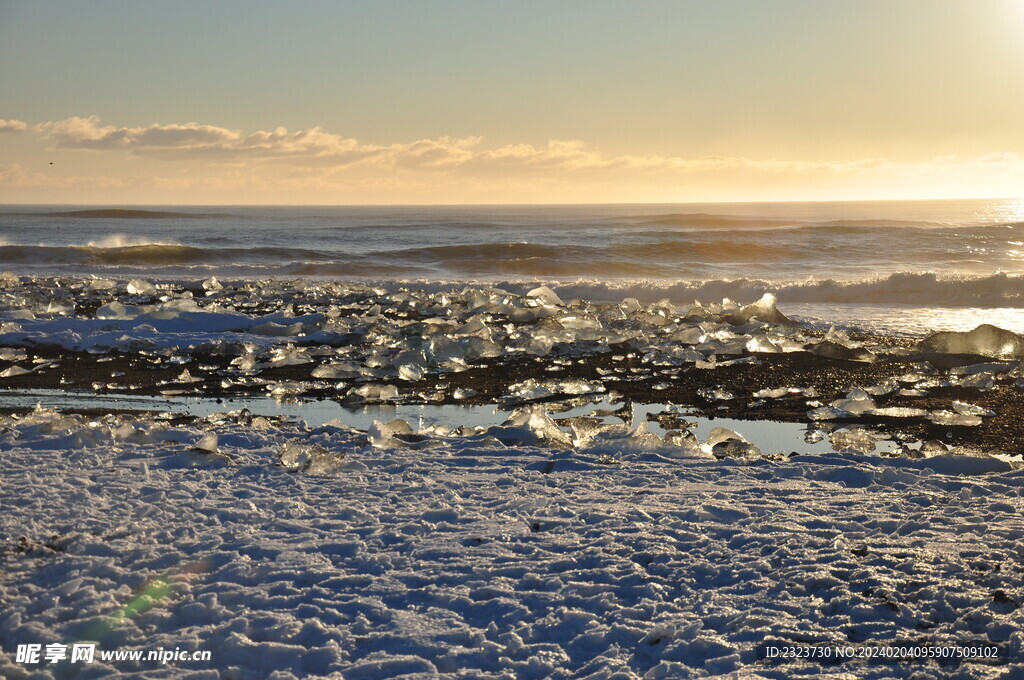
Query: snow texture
point(291, 552)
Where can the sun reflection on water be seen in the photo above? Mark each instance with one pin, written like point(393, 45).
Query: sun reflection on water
point(1009, 212)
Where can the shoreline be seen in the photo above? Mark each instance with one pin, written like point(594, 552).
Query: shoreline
point(208, 368)
point(831, 378)
point(477, 543)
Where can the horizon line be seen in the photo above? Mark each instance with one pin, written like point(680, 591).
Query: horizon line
point(510, 205)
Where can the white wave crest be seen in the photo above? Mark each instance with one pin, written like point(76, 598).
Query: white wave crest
point(126, 241)
point(912, 288)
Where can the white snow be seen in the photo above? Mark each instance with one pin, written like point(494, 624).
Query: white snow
point(322, 552)
point(529, 549)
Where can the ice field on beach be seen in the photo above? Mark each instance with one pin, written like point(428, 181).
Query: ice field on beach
point(324, 552)
point(535, 546)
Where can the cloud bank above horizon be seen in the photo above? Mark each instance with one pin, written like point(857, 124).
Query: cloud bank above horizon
point(194, 162)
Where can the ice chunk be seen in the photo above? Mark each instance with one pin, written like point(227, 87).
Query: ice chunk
point(289, 355)
point(913, 393)
point(965, 409)
point(764, 310)
point(207, 443)
point(833, 350)
point(382, 435)
point(829, 413)
point(840, 337)
point(130, 433)
point(246, 362)
point(721, 434)
point(857, 401)
point(101, 284)
point(525, 314)
point(546, 296)
point(346, 369)
point(715, 394)
point(900, 412)
point(476, 326)
point(187, 377)
point(13, 371)
point(532, 426)
point(725, 443)
point(373, 393)
point(630, 305)
point(141, 287)
point(984, 368)
point(858, 440)
point(684, 438)
point(687, 355)
point(278, 330)
point(814, 436)
point(777, 393)
point(954, 418)
point(539, 346)
point(12, 354)
point(983, 381)
point(212, 284)
point(441, 349)
point(688, 336)
point(531, 388)
point(616, 440)
point(760, 342)
point(286, 389)
point(116, 310)
point(986, 340)
point(310, 458)
point(482, 348)
point(461, 393)
point(56, 307)
point(882, 389)
point(933, 447)
point(411, 372)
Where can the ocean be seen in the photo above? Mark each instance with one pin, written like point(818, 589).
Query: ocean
point(903, 267)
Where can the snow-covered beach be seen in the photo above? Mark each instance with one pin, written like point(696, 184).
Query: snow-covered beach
point(554, 541)
point(465, 558)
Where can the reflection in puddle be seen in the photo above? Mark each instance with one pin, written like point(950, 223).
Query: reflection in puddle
point(770, 436)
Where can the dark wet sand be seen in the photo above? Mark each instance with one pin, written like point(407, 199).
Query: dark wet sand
point(78, 371)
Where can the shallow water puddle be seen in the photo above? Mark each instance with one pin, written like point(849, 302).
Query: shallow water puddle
point(770, 436)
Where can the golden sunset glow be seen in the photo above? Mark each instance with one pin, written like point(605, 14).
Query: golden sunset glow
point(659, 102)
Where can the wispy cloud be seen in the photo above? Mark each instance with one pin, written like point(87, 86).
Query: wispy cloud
point(321, 165)
point(12, 126)
point(313, 147)
point(316, 147)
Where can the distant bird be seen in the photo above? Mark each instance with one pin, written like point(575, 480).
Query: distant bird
point(51, 162)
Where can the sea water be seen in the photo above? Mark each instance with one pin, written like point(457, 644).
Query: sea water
point(903, 267)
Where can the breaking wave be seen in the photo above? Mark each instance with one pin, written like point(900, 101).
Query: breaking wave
point(719, 222)
point(687, 256)
point(148, 253)
point(925, 288)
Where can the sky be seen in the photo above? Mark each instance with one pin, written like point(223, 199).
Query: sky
point(576, 101)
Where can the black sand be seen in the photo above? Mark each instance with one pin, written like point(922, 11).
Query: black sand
point(831, 378)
